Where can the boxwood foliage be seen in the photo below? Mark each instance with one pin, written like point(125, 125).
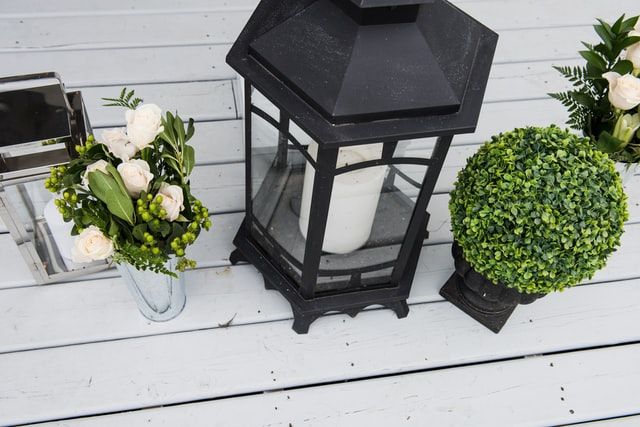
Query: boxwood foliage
point(538, 210)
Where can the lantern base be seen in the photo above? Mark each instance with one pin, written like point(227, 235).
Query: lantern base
point(307, 310)
point(302, 321)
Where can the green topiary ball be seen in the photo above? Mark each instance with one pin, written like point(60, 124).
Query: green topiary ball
point(538, 210)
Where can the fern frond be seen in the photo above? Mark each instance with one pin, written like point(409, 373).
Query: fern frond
point(126, 100)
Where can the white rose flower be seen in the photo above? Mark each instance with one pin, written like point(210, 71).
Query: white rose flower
point(172, 200)
point(136, 176)
point(624, 91)
point(144, 124)
point(100, 165)
point(91, 245)
point(118, 144)
point(633, 51)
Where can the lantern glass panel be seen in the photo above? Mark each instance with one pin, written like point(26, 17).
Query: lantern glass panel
point(277, 170)
point(369, 212)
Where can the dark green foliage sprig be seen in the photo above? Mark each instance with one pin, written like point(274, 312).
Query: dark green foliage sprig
point(538, 209)
point(587, 102)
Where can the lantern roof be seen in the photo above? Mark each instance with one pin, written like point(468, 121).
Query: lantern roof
point(356, 71)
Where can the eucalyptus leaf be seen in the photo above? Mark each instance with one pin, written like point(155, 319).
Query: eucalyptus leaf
point(113, 229)
point(190, 130)
point(178, 126)
point(189, 159)
point(106, 189)
point(116, 175)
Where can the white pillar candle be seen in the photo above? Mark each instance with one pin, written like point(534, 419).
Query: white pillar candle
point(354, 199)
point(61, 232)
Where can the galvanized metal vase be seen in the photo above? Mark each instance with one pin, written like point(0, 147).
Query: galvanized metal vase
point(159, 297)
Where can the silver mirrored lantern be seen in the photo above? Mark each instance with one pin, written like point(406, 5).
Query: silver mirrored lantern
point(40, 124)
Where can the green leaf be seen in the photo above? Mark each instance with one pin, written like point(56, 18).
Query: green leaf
point(189, 159)
point(629, 41)
point(582, 98)
point(190, 130)
point(182, 218)
point(607, 143)
point(168, 126)
point(113, 229)
point(615, 28)
point(138, 232)
point(604, 33)
point(177, 230)
point(594, 59)
point(629, 24)
point(623, 67)
point(179, 128)
point(116, 175)
point(172, 162)
point(106, 189)
point(163, 228)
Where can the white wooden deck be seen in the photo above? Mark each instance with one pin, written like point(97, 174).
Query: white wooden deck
point(80, 354)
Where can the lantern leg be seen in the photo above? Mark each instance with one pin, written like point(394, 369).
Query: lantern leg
point(301, 322)
point(268, 285)
point(401, 308)
point(236, 257)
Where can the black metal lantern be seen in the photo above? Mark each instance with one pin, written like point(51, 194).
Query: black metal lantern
point(334, 93)
point(40, 124)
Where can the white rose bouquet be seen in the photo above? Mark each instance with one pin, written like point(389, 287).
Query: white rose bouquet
point(604, 103)
point(128, 194)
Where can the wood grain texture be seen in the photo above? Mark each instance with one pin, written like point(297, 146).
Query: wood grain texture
point(165, 369)
point(551, 390)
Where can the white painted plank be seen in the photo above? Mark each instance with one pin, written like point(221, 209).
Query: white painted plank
point(149, 30)
point(221, 188)
point(632, 421)
point(109, 31)
point(214, 296)
point(12, 8)
point(550, 390)
point(200, 101)
point(124, 66)
point(204, 63)
point(500, 14)
point(519, 14)
point(120, 375)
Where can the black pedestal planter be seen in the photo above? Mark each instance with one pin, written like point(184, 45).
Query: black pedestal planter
point(486, 302)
